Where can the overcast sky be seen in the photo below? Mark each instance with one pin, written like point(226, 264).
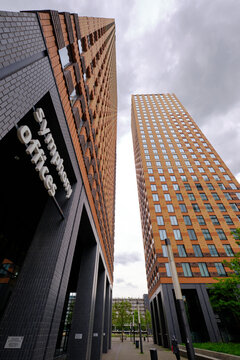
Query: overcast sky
point(187, 47)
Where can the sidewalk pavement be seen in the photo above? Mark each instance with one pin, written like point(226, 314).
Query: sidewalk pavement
point(127, 351)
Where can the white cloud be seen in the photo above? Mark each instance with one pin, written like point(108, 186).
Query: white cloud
point(187, 47)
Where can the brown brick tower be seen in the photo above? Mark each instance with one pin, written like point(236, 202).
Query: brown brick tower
point(187, 194)
point(83, 57)
point(58, 124)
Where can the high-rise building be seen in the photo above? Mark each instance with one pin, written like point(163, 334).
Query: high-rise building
point(187, 194)
point(58, 120)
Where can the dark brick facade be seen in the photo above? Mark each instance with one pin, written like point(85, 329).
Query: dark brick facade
point(35, 307)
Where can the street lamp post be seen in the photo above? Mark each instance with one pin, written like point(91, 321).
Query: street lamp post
point(140, 330)
point(133, 331)
point(180, 302)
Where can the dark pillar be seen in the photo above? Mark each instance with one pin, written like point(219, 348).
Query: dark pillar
point(208, 314)
point(110, 321)
point(97, 340)
point(106, 329)
point(160, 337)
point(80, 339)
point(153, 313)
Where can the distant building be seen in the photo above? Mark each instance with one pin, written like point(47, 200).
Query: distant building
point(146, 302)
point(187, 194)
point(135, 304)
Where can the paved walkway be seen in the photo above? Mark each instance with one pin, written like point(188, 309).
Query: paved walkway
point(127, 351)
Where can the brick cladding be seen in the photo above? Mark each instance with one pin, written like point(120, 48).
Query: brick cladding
point(92, 117)
point(17, 42)
point(179, 119)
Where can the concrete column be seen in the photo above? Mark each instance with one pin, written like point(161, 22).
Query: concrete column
point(208, 314)
point(97, 340)
point(160, 337)
point(153, 313)
point(106, 329)
point(80, 339)
point(110, 320)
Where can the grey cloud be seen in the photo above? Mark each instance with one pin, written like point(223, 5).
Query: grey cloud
point(127, 258)
point(119, 281)
point(123, 283)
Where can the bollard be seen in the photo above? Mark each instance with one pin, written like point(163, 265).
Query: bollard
point(153, 354)
point(137, 344)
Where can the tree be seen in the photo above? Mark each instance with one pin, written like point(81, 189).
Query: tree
point(225, 294)
point(147, 323)
point(121, 314)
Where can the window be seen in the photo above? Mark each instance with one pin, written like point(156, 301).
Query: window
point(221, 234)
point(199, 186)
point(173, 178)
point(186, 269)
point(203, 196)
point(215, 196)
point(206, 234)
point(150, 171)
point(220, 269)
point(177, 234)
point(205, 178)
point(201, 220)
point(155, 197)
point(160, 220)
point(197, 251)
point(74, 95)
point(164, 249)
point(160, 171)
point(184, 178)
point(228, 250)
point(183, 208)
point(203, 269)
point(228, 219)
point(196, 207)
point(191, 197)
point(168, 271)
point(187, 187)
point(162, 234)
point(170, 208)
point(187, 220)
point(221, 186)
point(157, 208)
point(66, 56)
point(192, 234)
point(234, 207)
point(221, 207)
point(210, 186)
point(167, 197)
point(173, 220)
point(233, 186)
point(175, 187)
point(227, 196)
point(165, 187)
point(151, 179)
point(212, 250)
point(153, 188)
point(179, 196)
point(149, 163)
point(214, 219)
point(211, 169)
point(208, 207)
point(181, 251)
